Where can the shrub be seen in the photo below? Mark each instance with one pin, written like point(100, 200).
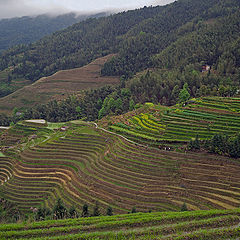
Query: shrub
point(184, 207)
point(59, 210)
point(85, 212)
point(134, 210)
point(96, 211)
point(194, 144)
point(73, 212)
point(109, 211)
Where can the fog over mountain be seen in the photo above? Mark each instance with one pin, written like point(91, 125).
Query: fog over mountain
point(18, 8)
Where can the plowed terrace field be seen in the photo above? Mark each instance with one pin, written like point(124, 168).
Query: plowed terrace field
point(85, 164)
point(58, 86)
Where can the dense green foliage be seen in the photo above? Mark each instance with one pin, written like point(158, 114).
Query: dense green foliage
point(220, 143)
point(72, 47)
point(24, 30)
point(211, 39)
point(154, 35)
point(223, 144)
point(137, 36)
point(92, 105)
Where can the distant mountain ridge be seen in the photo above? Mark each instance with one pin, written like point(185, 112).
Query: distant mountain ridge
point(27, 29)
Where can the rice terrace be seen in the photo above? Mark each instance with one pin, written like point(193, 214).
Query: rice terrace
point(84, 164)
point(58, 86)
point(122, 126)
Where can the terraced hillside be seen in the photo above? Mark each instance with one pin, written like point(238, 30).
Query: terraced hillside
point(157, 124)
point(11, 137)
point(58, 86)
point(84, 164)
point(215, 224)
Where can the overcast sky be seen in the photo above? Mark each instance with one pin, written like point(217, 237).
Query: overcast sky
point(18, 8)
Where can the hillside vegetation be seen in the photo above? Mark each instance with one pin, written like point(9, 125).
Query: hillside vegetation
point(180, 35)
point(167, 47)
point(166, 138)
point(25, 30)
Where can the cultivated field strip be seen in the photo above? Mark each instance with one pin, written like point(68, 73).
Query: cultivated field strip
point(82, 168)
point(46, 89)
point(213, 224)
point(204, 116)
point(6, 167)
point(19, 133)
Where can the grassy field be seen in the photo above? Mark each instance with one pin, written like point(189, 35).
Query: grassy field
point(58, 86)
point(214, 224)
point(155, 125)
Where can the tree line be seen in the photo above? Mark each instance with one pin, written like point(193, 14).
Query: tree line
point(221, 144)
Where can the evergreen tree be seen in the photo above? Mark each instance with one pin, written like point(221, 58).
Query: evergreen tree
point(96, 211)
point(184, 207)
point(59, 210)
point(131, 105)
point(85, 212)
point(184, 95)
point(109, 211)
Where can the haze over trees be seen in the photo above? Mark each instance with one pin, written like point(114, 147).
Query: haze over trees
point(25, 30)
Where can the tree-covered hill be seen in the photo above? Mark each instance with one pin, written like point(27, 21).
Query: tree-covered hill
point(136, 35)
point(72, 47)
point(169, 45)
point(24, 30)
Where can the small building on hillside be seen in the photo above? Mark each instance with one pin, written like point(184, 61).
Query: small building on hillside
point(63, 128)
point(206, 68)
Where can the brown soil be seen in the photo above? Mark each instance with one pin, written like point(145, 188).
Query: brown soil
point(58, 86)
point(122, 175)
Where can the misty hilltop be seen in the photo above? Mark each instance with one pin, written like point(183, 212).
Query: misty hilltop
point(28, 29)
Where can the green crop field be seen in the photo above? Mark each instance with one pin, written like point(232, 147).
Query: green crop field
point(214, 224)
point(205, 117)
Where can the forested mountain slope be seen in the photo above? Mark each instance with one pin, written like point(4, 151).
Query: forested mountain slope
point(136, 35)
point(72, 47)
point(24, 30)
point(166, 46)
